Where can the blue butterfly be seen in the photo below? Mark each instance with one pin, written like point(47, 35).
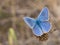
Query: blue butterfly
point(40, 25)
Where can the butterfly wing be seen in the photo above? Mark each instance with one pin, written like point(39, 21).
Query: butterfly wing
point(37, 30)
point(46, 26)
point(32, 24)
point(43, 16)
point(29, 21)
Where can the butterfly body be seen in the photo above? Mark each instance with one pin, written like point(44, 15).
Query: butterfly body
point(40, 25)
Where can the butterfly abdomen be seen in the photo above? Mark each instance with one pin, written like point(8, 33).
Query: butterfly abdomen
point(38, 23)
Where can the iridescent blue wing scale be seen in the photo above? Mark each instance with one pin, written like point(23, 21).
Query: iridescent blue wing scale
point(29, 21)
point(46, 26)
point(43, 16)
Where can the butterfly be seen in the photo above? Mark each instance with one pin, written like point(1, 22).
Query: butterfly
point(40, 25)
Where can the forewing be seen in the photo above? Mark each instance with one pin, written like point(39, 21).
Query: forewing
point(37, 30)
point(43, 16)
point(46, 26)
point(29, 21)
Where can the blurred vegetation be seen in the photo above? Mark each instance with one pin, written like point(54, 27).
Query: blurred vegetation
point(4, 15)
point(12, 37)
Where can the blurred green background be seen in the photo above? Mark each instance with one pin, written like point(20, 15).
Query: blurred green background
point(11, 16)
